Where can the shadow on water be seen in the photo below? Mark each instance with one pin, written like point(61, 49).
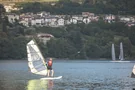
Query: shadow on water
point(40, 85)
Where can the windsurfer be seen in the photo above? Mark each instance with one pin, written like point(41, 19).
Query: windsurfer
point(49, 67)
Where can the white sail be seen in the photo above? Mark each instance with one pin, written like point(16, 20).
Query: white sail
point(121, 52)
point(113, 53)
point(133, 72)
point(36, 61)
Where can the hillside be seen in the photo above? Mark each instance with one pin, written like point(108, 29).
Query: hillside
point(123, 7)
point(91, 40)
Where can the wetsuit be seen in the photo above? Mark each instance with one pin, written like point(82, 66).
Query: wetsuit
point(49, 65)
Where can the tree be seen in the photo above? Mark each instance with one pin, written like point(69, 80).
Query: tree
point(2, 18)
point(93, 51)
point(60, 48)
point(2, 12)
point(132, 35)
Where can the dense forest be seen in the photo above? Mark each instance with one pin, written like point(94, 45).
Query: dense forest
point(125, 7)
point(75, 41)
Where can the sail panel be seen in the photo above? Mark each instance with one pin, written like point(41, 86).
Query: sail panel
point(35, 59)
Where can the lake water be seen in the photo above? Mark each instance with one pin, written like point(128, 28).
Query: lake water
point(77, 75)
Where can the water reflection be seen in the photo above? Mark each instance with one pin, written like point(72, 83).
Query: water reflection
point(40, 85)
point(50, 84)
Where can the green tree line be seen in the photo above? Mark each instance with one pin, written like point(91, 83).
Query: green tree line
point(94, 40)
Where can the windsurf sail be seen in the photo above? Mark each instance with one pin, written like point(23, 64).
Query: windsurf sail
point(133, 72)
point(121, 52)
point(36, 61)
point(113, 53)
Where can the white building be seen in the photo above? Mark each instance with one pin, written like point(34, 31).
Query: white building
point(44, 14)
point(44, 37)
point(10, 7)
point(25, 23)
point(73, 20)
point(109, 18)
point(60, 22)
point(25, 20)
point(53, 21)
point(127, 19)
point(86, 20)
point(86, 14)
point(37, 21)
point(12, 17)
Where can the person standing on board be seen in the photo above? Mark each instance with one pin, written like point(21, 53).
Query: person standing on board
point(49, 67)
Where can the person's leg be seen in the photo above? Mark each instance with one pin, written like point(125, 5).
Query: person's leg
point(52, 72)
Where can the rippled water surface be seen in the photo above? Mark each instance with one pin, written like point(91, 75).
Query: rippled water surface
point(77, 75)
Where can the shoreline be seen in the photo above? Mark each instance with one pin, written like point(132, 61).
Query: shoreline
point(96, 59)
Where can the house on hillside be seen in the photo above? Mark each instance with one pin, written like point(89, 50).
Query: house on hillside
point(43, 14)
point(44, 37)
point(74, 19)
point(129, 24)
point(51, 21)
point(124, 19)
point(127, 19)
point(12, 17)
point(86, 20)
point(110, 18)
point(87, 14)
point(10, 7)
point(25, 23)
point(37, 21)
point(60, 22)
